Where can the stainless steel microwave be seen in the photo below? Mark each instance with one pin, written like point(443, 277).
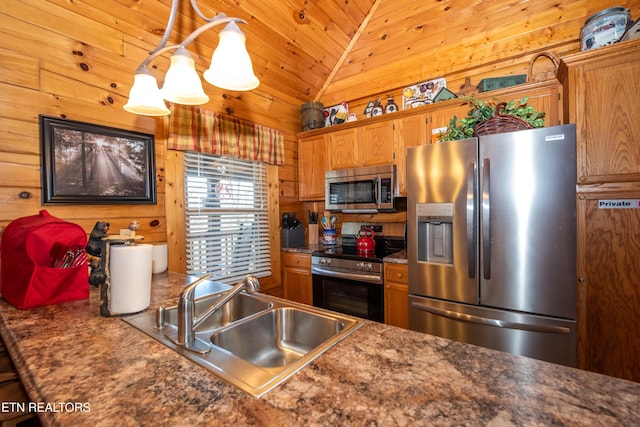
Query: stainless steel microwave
point(360, 190)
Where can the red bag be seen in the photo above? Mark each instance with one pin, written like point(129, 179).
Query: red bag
point(31, 249)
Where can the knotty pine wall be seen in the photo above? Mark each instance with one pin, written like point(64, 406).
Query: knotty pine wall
point(76, 60)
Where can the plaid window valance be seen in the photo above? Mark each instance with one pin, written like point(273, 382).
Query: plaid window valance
point(195, 129)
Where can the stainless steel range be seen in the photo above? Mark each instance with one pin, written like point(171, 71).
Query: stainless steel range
point(351, 281)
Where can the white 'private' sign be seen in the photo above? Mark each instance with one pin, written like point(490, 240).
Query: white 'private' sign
point(619, 204)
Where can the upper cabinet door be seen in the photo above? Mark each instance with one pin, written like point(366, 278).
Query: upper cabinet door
point(342, 149)
point(408, 132)
point(604, 83)
point(375, 144)
point(311, 167)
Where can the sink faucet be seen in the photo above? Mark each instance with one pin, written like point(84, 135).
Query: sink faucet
point(188, 323)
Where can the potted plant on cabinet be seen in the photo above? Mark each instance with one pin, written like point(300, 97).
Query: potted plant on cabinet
point(489, 117)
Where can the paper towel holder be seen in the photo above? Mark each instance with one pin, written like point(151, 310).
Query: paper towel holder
point(105, 286)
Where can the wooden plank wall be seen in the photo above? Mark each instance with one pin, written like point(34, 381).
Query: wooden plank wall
point(76, 60)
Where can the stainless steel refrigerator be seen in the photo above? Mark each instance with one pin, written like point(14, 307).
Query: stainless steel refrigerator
point(492, 241)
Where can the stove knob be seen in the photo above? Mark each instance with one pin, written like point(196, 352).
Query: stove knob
point(360, 266)
point(368, 267)
point(324, 261)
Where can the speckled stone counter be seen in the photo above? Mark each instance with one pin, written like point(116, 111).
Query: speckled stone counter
point(379, 375)
point(397, 258)
point(307, 248)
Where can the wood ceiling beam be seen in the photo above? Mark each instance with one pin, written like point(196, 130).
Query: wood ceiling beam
point(348, 49)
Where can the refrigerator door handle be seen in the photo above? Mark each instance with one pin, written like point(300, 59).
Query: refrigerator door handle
point(470, 318)
point(471, 218)
point(486, 219)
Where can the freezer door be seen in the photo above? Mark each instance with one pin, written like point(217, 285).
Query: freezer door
point(538, 337)
point(528, 221)
point(442, 223)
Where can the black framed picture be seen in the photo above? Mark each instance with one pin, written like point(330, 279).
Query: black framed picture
point(84, 163)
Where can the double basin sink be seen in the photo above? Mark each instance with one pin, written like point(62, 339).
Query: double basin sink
point(256, 341)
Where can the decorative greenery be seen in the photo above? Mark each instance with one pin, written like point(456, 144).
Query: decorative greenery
point(483, 110)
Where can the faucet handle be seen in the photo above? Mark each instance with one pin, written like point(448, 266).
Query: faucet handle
point(251, 284)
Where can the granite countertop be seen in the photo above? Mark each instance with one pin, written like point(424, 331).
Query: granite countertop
point(379, 375)
point(396, 258)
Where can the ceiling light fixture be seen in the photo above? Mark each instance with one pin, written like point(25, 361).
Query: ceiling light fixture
point(230, 68)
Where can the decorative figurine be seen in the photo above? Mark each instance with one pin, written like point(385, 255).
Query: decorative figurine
point(97, 275)
point(391, 107)
point(341, 114)
point(337, 114)
point(99, 232)
point(368, 109)
point(133, 226)
point(377, 108)
point(95, 251)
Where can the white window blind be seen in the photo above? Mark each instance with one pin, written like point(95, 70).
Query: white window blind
point(226, 217)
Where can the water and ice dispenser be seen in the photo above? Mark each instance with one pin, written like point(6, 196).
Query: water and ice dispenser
point(435, 232)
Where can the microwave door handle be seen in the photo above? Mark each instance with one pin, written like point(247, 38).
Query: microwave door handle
point(377, 190)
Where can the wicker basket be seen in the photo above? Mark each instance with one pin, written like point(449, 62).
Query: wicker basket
point(500, 123)
point(549, 74)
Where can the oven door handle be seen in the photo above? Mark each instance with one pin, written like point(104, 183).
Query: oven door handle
point(358, 277)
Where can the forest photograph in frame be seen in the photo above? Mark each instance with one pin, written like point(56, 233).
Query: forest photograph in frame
point(84, 163)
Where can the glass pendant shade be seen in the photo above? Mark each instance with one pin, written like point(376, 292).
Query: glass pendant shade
point(182, 84)
point(231, 66)
point(144, 97)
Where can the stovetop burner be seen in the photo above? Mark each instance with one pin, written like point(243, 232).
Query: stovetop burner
point(351, 252)
point(389, 239)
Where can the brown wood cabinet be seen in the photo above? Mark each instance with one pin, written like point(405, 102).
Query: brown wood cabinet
point(296, 277)
point(609, 286)
point(408, 132)
point(367, 145)
point(312, 164)
point(342, 148)
point(601, 95)
point(601, 98)
point(396, 294)
point(375, 144)
point(385, 139)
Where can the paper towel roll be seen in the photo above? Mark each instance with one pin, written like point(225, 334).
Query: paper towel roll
point(130, 278)
point(159, 257)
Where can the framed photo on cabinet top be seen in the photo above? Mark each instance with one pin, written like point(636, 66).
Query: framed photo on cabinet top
point(84, 163)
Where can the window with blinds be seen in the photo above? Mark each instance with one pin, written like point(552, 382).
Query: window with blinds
point(226, 217)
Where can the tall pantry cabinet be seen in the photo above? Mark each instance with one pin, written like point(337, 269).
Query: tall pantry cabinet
point(602, 97)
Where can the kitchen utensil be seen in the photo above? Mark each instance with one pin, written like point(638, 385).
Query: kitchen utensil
point(365, 243)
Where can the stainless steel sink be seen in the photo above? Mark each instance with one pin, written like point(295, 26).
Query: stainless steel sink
point(239, 307)
point(278, 337)
point(256, 341)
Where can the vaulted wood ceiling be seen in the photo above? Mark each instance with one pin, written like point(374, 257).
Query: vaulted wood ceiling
point(334, 50)
point(331, 50)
